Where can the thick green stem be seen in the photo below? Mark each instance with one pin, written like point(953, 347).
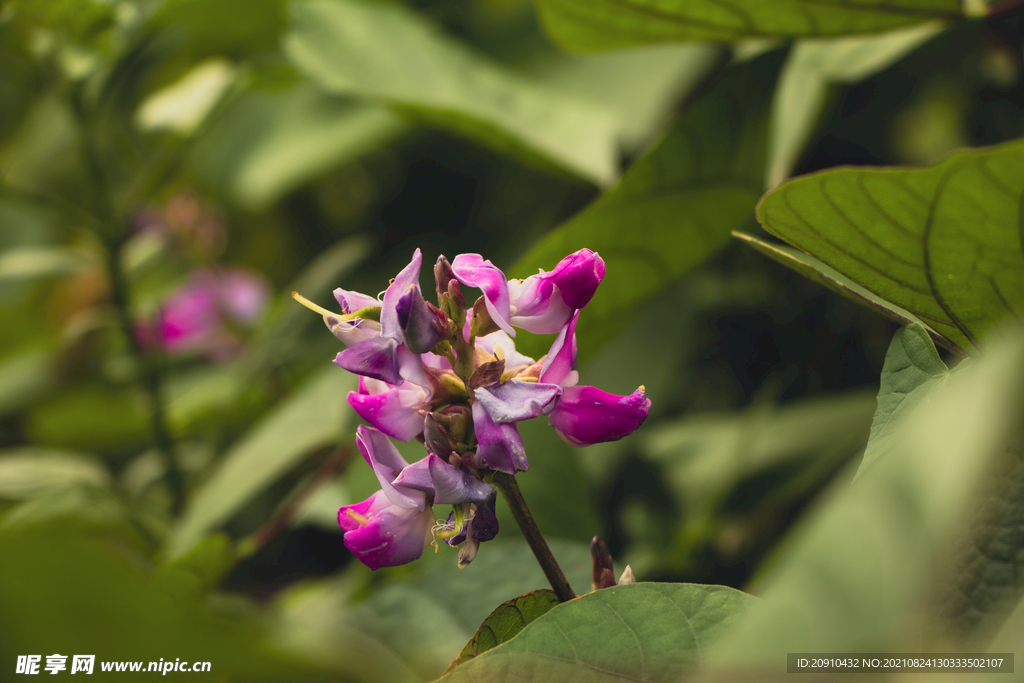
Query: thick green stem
point(506, 483)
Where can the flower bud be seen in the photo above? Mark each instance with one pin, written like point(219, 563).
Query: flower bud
point(422, 324)
point(443, 275)
point(482, 323)
point(602, 562)
point(436, 437)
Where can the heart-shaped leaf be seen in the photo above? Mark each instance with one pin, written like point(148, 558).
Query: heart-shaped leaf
point(644, 631)
point(592, 25)
point(944, 242)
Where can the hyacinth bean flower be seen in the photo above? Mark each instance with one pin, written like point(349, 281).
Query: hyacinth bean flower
point(452, 380)
point(542, 303)
point(392, 526)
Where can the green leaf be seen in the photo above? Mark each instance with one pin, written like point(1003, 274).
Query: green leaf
point(812, 65)
point(853, 573)
point(912, 371)
point(314, 416)
point(181, 106)
point(505, 623)
point(28, 263)
point(24, 379)
point(305, 134)
point(591, 25)
point(96, 417)
point(942, 242)
point(673, 207)
point(441, 82)
point(644, 631)
point(236, 28)
point(706, 458)
point(807, 265)
point(410, 628)
point(71, 588)
point(33, 472)
point(640, 87)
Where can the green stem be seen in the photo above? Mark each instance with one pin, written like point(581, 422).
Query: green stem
point(151, 382)
point(506, 483)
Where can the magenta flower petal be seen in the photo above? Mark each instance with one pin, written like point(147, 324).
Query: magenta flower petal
point(392, 410)
point(410, 368)
point(382, 534)
point(586, 415)
point(473, 270)
point(408, 278)
point(562, 355)
point(387, 462)
point(577, 277)
point(499, 446)
point(513, 400)
point(447, 483)
point(375, 357)
point(544, 302)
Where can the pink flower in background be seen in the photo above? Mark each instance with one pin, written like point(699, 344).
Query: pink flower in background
point(204, 314)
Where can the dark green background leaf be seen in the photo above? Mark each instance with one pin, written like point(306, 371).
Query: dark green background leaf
point(588, 25)
point(674, 206)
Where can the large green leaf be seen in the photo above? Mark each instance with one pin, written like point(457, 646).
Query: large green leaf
point(912, 371)
point(853, 574)
point(674, 206)
point(315, 416)
point(942, 242)
point(589, 25)
point(644, 632)
point(422, 73)
point(812, 65)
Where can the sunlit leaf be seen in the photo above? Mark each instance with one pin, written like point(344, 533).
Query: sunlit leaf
point(673, 207)
point(435, 79)
point(645, 631)
point(315, 416)
point(640, 87)
point(505, 623)
point(182, 106)
point(942, 242)
point(811, 66)
point(590, 25)
point(851, 576)
point(33, 472)
point(305, 134)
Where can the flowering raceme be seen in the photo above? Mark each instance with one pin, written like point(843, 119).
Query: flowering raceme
point(450, 377)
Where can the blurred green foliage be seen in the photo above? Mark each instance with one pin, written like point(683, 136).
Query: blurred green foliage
point(181, 502)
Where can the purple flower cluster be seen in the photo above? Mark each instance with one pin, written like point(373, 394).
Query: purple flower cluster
point(452, 379)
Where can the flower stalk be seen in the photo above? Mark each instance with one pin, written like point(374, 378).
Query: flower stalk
point(506, 483)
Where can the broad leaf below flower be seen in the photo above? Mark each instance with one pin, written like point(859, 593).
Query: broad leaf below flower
point(645, 631)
